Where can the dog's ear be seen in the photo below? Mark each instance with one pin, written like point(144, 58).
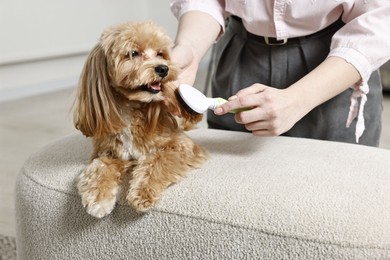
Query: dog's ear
point(96, 112)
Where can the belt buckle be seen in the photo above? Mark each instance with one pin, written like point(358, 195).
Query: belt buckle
point(273, 41)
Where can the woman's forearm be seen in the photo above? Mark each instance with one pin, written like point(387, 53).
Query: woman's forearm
point(329, 79)
point(274, 111)
point(198, 31)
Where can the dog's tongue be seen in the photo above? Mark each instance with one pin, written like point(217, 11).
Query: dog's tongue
point(155, 86)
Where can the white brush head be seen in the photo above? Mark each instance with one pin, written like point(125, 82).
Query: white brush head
point(195, 99)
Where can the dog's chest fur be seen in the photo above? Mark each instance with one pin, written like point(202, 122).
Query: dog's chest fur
point(128, 148)
point(133, 141)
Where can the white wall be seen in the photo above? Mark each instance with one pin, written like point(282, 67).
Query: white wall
point(43, 43)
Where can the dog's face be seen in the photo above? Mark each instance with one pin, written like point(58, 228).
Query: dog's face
point(130, 64)
point(138, 60)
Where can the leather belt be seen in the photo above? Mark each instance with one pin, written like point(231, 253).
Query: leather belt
point(275, 42)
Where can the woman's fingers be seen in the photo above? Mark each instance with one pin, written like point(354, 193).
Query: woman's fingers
point(272, 111)
point(245, 98)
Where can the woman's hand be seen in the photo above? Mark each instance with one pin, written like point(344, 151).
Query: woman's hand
point(183, 56)
point(185, 60)
point(274, 111)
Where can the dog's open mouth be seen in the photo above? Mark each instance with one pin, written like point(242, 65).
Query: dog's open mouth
point(154, 87)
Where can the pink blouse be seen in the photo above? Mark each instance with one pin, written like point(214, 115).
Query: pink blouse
point(364, 41)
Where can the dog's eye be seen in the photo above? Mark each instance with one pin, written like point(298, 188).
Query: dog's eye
point(133, 54)
point(160, 54)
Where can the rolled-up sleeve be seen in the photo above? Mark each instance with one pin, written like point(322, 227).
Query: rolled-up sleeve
point(364, 41)
point(215, 8)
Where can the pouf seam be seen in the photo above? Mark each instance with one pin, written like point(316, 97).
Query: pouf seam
point(324, 242)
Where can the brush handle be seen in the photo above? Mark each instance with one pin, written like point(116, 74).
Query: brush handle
point(216, 102)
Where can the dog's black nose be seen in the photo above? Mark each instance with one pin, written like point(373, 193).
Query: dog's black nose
point(161, 70)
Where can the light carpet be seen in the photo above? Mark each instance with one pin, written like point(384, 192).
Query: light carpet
point(7, 248)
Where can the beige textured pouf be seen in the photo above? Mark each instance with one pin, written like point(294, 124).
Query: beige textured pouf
point(256, 198)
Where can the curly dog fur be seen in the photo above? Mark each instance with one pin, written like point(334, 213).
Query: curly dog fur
point(124, 102)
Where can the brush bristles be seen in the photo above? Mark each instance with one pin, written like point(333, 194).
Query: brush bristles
point(186, 106)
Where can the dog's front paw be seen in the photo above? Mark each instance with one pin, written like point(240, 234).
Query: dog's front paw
point(98, 207)
point(101, 208)
point(98, 189)
point(142, 200)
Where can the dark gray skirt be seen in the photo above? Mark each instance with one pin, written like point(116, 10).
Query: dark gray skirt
point(242, 59)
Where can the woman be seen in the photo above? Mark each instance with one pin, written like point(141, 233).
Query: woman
point(303, 68)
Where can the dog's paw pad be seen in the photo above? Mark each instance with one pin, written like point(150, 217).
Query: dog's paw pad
point(101, 208)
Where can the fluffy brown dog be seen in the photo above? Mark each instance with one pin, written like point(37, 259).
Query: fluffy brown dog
point(124, 101)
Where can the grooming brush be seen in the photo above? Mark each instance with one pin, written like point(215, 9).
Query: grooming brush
point(196, 102)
